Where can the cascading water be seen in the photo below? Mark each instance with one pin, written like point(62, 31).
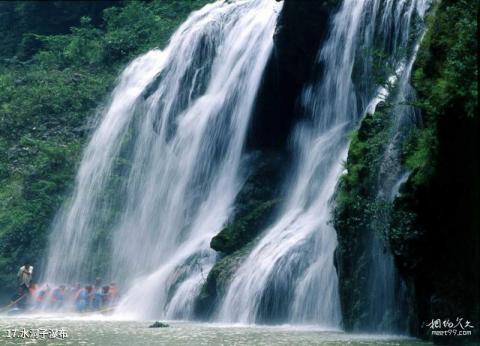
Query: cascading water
point(387, 301)
point(160, 172)
point(289, 276)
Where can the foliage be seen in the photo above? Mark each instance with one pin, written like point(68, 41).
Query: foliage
point(358, 214)
point(446, 70)
point(242, 230)
point(446, 78)
point(60, 61)
point(433, 229)
point(435, 222)
point(20, 19)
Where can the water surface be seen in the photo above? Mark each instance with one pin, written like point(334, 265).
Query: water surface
point(103, 331)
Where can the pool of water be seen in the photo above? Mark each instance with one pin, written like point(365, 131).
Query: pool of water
point(105, 331)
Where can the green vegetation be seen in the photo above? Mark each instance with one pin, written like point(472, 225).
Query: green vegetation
point(435, 222)
point(432, 228)
point(446, 78)
point(58, 62)
point(21, 20)
point(359, 215)
point(242, 230)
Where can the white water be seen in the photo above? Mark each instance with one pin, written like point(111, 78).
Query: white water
point(388, 300)
point(83, 330)
point(166, 158)
point(161, 171)
point(290, 275)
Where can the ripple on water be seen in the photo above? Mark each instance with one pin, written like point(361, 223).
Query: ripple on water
point(88, 331)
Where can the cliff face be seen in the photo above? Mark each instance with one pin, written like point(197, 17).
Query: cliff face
point(300, 31)
point(435, 230)
point(301, 28)
point(432, 228)
point(52, 82)
point(362, 220)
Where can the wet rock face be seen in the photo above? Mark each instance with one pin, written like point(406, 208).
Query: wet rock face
point(301, 28)
point(255, 203)
point(436, 230)
point(217, 283)
point(243, 230)
point(254, 208)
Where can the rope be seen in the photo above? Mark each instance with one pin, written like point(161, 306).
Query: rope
point(13, 303)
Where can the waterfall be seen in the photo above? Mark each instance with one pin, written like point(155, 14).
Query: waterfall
point(289, 276)
point(161, 171)
point(387, 301)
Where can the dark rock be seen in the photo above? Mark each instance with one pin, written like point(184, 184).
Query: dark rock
point(254, 207)
point(239, 233)
point(255, 203)
point(301, 28)
point(361, 219)
point(158, 324)
point(217, 282)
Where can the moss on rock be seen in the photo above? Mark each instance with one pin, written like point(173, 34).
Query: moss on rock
point(217, 282)
point(242, 230)
point(433, 229)
point(435, 223)
point(358, 215)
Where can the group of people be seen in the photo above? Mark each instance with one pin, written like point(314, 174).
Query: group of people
point(80, 298)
